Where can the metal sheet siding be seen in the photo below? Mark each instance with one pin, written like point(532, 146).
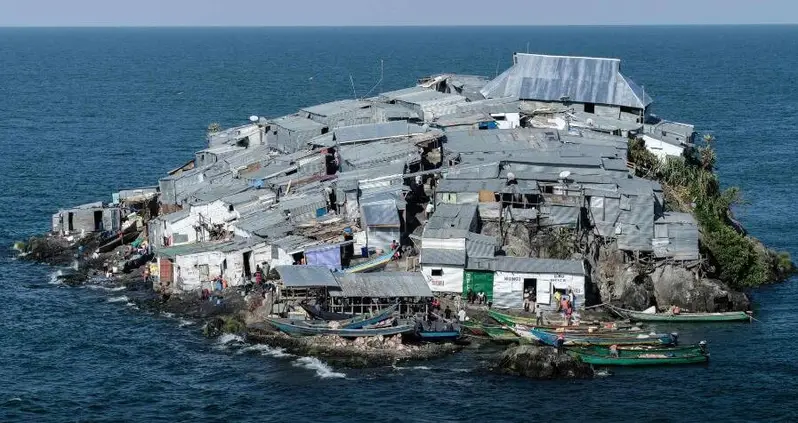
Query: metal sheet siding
point(479, 282)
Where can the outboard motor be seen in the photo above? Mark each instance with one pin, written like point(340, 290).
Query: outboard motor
point(675, 338)
point(703, 346)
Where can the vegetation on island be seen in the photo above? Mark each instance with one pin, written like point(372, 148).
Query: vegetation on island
point(691, 185)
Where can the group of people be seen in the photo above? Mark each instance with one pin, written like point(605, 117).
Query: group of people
point(476, 298)
point(566, 304)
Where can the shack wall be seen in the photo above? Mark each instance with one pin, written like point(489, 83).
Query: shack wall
point(451, 279)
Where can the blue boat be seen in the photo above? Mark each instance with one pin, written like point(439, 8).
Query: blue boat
point(550, 338)
point(376, 263)
point(358, 322)
point(437, 331)
point(301, 328)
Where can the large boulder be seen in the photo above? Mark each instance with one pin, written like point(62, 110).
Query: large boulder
point(541, 362)
point(676, 285)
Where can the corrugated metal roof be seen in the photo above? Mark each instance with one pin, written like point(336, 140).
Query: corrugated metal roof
point(480, 246)
point(539, 265)
point(492, 105)
point(470, 185)
point(293, 243)
point(306, 276)
point(582, 79)
point(336, 107)
point(296, 123)
point(382, 285)
point(204, 247)
point(260, 220)
point(453, 216)
point(463, 118)
point(208, 193)
point(474, 171)
point(383, 214)
point(443, 257)
point(393, 95)
point(177, 216)
point(375, 131)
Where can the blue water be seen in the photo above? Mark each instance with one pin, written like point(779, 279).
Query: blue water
point(84, 112)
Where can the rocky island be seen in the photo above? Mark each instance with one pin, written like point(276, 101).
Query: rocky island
point(554, 178)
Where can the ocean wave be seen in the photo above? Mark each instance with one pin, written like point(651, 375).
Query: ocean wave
point(229, 338)
point(168, 314)
point(322, 370)
point(123, 298)
point(185, 322)
point(264, 349)
point(54, 277)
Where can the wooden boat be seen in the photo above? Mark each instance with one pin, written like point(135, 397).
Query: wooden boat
point(357, 322)
point(300, 328)
point(646, 316)
point(376, 263)
point(323, 314)
point(509, 320)
point(474, 328)
point(642, 357)
point(549, 338)
point(438, 331)
point(501, 334)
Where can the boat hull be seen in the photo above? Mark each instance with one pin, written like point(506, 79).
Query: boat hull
point(734, 316)
point(570, 339)
point(642, 357)
point(300, 329)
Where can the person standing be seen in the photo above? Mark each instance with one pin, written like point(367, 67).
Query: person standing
point(447, 313)
point(538, 315)
point(461, 315)
point(560, 342)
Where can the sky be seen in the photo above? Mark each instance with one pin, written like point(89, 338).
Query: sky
point(392, 12)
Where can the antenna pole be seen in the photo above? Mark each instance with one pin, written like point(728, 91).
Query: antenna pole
point(352, 81)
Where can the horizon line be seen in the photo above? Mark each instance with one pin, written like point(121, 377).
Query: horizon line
point(188, 26)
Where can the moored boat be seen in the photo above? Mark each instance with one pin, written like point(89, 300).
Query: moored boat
point(549, 338)
point(651, 316)
point(357, 322)
point(372, 265)
point(510, 320)
point(318, 313)
point(642, 356)
point(301, 328)
point(438, 331)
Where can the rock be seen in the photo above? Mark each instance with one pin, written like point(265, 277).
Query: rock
point(674, 285)
point(541, 362)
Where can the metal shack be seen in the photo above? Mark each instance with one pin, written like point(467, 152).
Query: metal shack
point(504, 280)
point(92, 217)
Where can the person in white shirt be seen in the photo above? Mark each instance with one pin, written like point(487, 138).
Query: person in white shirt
point(461, 315)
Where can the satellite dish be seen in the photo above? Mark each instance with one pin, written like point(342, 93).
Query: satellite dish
point(565, 174)
point(589, 122)
point(253, 118)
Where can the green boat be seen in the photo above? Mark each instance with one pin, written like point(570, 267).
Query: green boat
point(642, 356)
point(509, 320)
point(645, 316)
point(501, 334)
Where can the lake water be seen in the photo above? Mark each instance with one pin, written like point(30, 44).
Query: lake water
point(85, 112)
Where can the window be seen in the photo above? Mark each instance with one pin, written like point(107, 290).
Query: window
point(437, 272)
point(230, 208)
point(590, 108)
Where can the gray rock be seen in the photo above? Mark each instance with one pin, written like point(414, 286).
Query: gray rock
point(541, 362)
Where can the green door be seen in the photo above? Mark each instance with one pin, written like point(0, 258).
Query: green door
point(478, 281)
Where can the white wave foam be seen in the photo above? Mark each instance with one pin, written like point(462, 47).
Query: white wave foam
point(229, 338)
point(117, 289)
point(168, 314)
point(123, 298)
point(322, 370)
point(54, 277)
point(185, 322)
point(264, 349)
point(75, 265)
point(603, 373)
point(412, 368)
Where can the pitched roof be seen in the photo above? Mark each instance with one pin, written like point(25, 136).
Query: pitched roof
point(306, 276)
point(443, 257)
point(382, 285)
point(539, 265)
point(582, 79)
point(452, 216)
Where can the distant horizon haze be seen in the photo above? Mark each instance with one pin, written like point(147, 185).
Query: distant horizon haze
point(370, 13)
